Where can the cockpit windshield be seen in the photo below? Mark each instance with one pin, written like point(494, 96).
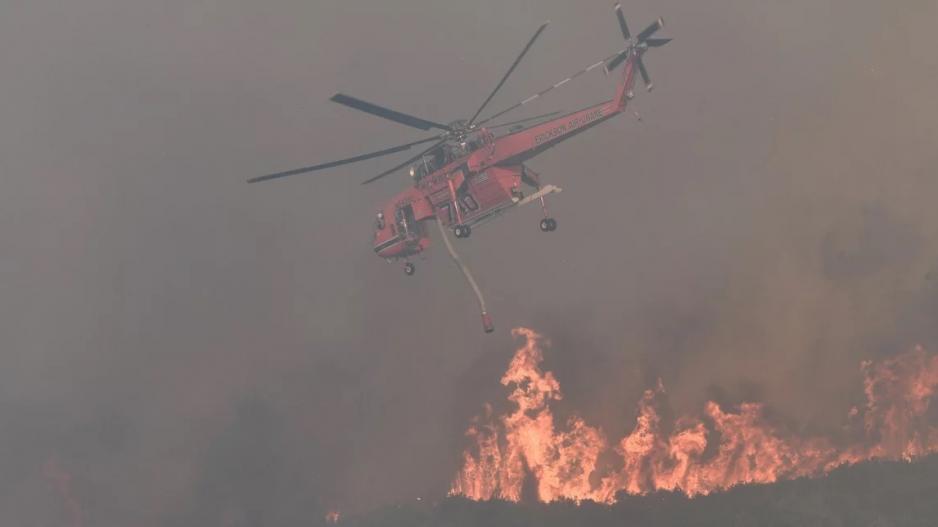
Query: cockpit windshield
point(430, 162)
point(448, 152)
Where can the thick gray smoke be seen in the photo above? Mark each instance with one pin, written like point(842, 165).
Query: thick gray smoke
point(192, 350)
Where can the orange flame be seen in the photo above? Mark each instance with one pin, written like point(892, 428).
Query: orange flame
point(701, 455)
point(332, 517)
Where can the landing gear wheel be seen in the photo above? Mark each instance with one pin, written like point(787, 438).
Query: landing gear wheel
point(548, 225)
point(462, 231)
point(409, 269)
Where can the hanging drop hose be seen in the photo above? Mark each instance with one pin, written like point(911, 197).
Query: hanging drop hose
point(487, 325)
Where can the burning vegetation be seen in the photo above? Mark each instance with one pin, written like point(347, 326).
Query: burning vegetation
point(694, 455)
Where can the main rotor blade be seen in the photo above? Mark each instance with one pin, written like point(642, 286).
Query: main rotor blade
point(618, 60)
point(346, 161)
point(387, 113)
point(519, 121)
point(650, 30)
point(405, 163)
point(622, 24)
point(657, 42)
point(511, 69)
point(644, 73)
point(544, 91)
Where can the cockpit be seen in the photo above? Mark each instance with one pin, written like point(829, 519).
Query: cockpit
point(430, 162)
point(448, 152)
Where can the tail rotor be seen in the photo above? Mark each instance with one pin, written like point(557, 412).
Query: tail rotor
point(637, 45)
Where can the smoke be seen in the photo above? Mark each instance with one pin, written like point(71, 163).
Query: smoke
point(61, 481)
point(803, 240)
point(765, 227)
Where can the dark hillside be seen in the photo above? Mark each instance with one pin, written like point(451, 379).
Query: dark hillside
point(877, 494)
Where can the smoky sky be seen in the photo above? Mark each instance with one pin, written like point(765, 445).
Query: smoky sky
point(194, 350)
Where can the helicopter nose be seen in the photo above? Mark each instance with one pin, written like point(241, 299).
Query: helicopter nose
point(386, 244)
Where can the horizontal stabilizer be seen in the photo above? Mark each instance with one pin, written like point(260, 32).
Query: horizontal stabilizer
point(544, 191)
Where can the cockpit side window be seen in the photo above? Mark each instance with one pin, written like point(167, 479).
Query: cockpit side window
point(405, 218)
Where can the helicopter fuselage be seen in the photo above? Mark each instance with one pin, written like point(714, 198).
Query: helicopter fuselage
point(485, 182)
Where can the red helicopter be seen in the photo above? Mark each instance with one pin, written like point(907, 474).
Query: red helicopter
point(469, 175)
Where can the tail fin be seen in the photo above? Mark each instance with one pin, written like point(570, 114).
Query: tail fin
point(624, 87)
